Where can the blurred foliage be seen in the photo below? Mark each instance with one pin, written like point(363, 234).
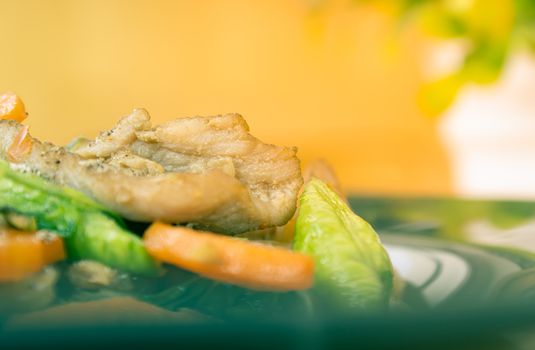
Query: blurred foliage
point(441, 217)
point(490, 29)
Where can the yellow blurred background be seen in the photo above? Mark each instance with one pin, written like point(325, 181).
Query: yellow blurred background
point(333, 78)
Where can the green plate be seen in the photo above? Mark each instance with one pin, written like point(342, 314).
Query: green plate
point(468, 275)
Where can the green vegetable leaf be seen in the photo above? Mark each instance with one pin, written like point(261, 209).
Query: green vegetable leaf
point(181, 289)
point(55, 208)
point(100, 238)
point(353, 270)
point(90, 230)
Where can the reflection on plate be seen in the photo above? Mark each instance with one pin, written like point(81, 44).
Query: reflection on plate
point(450, 273)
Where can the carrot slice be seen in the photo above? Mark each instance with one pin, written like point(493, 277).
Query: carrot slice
point(12, 107)
point(230, 260)
point(24, 253)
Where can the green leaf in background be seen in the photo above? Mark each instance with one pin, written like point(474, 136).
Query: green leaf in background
point(437, 20)
point(484, 63)
point(492, 29)
point(435, 97)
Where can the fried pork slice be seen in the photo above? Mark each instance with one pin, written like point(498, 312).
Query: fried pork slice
point(207, 171)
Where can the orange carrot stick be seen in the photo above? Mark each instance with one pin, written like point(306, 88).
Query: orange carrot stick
point(24, 253)
point(230, 260)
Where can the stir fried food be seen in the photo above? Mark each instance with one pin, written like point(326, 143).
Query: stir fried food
point(204, 170)
point(151, 212)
